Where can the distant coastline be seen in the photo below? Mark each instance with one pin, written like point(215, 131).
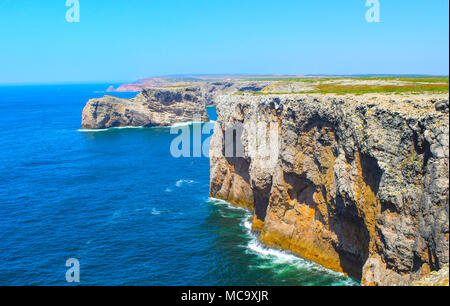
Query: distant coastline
point(180, 80)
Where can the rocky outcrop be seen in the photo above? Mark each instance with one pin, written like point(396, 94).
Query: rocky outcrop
point(436, 278)
point(151, 108)
point(212, 90)
point(358, 184)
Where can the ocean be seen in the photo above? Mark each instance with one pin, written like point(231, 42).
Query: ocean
point(118, 202)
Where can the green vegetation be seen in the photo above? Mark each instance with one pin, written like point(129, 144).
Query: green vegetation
point(413, 88)
point(282, 79)
point(406, 79)
point(400, 85)
point(324, 79)
point(177, 86)
point(343, 90)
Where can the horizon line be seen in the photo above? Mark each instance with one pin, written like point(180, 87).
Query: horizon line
point(221, 75)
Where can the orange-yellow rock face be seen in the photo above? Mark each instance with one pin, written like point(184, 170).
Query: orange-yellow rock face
point(358, 184)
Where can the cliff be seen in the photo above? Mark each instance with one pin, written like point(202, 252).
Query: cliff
point(152, 107)
point(358, 184)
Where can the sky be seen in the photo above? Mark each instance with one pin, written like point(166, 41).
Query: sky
point(124, 40)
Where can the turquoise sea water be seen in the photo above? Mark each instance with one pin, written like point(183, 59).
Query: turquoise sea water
point(120, 203)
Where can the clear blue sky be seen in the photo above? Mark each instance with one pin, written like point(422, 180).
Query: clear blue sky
point(123, 40)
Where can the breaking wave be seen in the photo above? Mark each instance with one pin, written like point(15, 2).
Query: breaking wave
point(181, 183)
point(278, 260)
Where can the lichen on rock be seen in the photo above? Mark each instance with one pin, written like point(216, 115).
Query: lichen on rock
point(359, 183)
point(436, 278)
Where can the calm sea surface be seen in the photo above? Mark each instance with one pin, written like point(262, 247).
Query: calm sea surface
point(120, 203)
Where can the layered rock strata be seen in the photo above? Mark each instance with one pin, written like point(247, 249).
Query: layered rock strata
point(358, 184)
point(153, 107)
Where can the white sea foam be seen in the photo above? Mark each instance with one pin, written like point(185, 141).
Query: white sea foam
point(156, 212)
point(136, 127)
point(276, 257)
point(184, 182)
point(185, 123)
point(248, 225)
point(92, 131)
point(281, 257)
point(215, 201)
point(109, 129)
point(128, 127)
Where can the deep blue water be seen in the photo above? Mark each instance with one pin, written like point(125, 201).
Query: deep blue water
point(120, 203)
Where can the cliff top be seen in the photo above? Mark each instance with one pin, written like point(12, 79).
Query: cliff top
point(411, 105)
point(300, 84)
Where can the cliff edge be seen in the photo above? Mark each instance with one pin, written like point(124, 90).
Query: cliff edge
point(358, 184)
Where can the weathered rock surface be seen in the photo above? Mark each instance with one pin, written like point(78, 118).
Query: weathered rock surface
point(436, 278)
point(359, 183)
point(212, 90)
point(152, 107)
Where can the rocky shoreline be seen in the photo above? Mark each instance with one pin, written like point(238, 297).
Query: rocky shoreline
point(356, 182)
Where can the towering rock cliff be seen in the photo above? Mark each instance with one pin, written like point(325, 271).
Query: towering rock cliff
point(152, 107)
point(358, 184)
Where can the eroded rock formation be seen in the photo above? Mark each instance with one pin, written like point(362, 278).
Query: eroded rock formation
point(359, 184)
point(152, 107)
point(436, 278)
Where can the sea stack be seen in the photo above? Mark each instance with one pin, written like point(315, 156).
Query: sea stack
point(153, 107)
